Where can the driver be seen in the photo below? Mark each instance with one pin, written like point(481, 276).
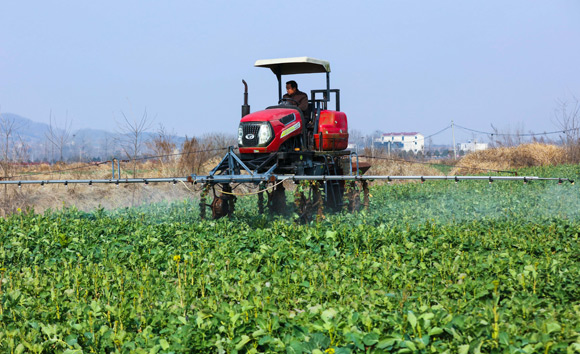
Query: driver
point(298, 97)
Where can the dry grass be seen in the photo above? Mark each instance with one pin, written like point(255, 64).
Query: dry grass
point(87, 198)
point(386, 167)
point(84, 197)
point(508, 158)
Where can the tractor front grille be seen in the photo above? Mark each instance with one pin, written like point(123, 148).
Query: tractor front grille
point(250, 134)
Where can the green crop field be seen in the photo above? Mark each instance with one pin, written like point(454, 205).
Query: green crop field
point(437, 267)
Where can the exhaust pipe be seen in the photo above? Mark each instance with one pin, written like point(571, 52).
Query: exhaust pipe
point(245, 106)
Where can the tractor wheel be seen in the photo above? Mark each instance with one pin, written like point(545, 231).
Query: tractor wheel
point(223, 204)
point(353, 196)
point(309, 201)
point(301, 202)
point(334, 190)
point(277, 200)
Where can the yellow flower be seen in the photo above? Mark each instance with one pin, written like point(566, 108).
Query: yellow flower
point(177, 258)
point(329, 351)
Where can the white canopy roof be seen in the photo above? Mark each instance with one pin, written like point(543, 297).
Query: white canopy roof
point(298, 65)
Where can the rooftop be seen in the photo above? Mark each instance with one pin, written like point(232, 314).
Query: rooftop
point(405, 134)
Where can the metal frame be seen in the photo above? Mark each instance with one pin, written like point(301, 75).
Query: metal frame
point(278, 74)
point(270, 177)
point(229, 170)
point(326, 97)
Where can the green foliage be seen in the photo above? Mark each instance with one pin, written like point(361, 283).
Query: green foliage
point(434, 267)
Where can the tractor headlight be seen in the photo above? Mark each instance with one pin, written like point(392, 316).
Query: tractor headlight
point(240, 135)
point(264, 134)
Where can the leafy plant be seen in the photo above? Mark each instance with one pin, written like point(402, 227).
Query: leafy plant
point(433, 267)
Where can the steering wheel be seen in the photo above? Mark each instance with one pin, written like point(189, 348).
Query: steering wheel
point(288, 101)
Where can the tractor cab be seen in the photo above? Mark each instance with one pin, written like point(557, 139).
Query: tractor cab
point(285, 128)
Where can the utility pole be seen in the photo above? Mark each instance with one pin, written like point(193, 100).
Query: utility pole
point(453, 134)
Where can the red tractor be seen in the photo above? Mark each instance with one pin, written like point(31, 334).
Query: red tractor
point(284, 140)
point(288, 132)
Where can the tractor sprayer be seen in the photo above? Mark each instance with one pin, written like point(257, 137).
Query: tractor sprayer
point(284, 143)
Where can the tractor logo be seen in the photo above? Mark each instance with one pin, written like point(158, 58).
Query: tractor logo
point(250, 136)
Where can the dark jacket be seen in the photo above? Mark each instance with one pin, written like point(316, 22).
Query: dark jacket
point(301, 98)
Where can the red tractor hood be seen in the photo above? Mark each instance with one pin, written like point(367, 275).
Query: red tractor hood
point(269, 115)
point(284, 124)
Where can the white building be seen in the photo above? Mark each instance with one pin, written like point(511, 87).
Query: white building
point(472, 146)
point(413, 141)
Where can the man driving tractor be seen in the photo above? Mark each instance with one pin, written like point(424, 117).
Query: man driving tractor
point(295, 96)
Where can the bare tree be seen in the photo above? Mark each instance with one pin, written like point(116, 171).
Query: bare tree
point(13, 148)
point(506, 137)
point(567, 116)
point(131, 137)
point(48, 149)
point(105, 151)
point(7, 127)
point(196, 153)
point(59, 137)
point(83, 147)
point(162, 145)
point(218, 142)
point(191, 158)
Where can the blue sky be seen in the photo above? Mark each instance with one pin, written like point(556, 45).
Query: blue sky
point(400, 65)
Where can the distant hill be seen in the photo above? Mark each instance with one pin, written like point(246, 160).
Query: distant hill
point(29, 130)
point(89, 143)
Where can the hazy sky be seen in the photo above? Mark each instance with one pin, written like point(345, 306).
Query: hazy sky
point(400, 65)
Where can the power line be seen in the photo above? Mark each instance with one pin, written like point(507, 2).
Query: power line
point(439, 132)
point(517, 134)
